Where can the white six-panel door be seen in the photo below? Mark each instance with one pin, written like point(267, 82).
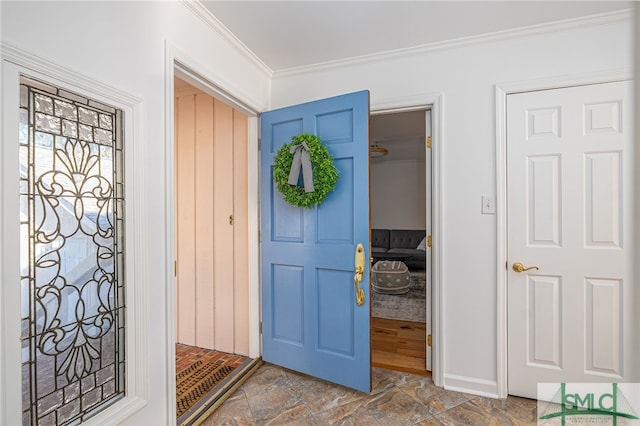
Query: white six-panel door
point(569, 171)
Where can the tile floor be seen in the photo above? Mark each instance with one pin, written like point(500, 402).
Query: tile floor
point(276, 396)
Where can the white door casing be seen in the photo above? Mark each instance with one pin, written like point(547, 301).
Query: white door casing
point(428, 213)
point(569, 168)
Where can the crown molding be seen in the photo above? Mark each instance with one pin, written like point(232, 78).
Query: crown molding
point(608, 18)
point(198, 9)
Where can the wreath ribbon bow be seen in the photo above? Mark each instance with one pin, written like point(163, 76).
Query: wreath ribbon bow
point(301, 160)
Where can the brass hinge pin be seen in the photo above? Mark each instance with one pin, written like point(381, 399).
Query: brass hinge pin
point(429, 340)
point(429, 142)
point(429, 241)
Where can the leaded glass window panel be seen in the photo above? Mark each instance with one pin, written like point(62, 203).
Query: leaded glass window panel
point(72, 255)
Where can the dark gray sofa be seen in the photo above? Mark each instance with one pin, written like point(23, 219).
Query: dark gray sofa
point(403, 241)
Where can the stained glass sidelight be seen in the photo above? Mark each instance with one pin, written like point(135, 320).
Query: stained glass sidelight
point(71, 251)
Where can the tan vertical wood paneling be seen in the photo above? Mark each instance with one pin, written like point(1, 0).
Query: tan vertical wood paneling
point(211, 184)
point(240, 234)
point(223, 231)
point(185, 229)
point(204, 185)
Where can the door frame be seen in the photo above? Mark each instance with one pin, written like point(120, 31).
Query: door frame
point(435, 102)
point(502, 90)
point(427, 104)
point(179, 64)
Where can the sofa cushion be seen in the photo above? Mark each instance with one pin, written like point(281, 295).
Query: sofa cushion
point(403, 241)
point(407, 251)
point(378, 251)
point(380, 238)
point(405, 238)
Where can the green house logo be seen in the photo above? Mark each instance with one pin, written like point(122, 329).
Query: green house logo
point(582, 406)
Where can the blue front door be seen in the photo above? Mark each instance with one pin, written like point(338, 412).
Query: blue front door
point(310, 319)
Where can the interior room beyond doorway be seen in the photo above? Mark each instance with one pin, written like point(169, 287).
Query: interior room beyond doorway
point(399, 221)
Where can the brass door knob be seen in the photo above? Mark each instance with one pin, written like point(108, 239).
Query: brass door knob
point(519, 267)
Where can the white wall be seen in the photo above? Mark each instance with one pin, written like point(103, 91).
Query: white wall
point(398, 194)
point(466, 77)
point(123, 45)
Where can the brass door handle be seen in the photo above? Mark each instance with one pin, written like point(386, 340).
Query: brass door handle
point(519, 267)
point(357, 278)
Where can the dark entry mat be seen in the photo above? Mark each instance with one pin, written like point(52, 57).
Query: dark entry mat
point(196, 381)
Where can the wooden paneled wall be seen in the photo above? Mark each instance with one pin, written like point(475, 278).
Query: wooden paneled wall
point(211, 223)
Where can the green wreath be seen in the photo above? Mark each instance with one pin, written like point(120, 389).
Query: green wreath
point(324, 172)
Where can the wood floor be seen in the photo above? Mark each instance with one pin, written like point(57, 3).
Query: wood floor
point(399, 345)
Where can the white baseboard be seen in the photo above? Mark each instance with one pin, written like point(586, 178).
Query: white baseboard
point(488, 388)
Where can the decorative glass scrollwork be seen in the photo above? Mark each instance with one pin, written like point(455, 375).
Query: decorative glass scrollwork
point(71, 254)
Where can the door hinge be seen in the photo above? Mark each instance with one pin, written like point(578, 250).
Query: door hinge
point(260, 327)
point(259, 144)
point(230, 219)
point(259, 235)
point(429, 142)
point(175, 268)
point(429, 340)
point(429, 241)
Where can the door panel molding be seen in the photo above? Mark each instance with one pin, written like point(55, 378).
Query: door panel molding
point(501, 92)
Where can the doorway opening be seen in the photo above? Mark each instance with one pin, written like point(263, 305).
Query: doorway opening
point(211, 239)
point(400, 191)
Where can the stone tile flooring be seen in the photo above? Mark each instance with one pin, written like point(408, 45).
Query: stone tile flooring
point(276, 396)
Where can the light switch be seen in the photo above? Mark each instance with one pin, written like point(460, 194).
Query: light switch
point(488, 205)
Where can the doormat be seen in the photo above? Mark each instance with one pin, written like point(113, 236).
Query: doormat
point(193, 383)
point(411, 306)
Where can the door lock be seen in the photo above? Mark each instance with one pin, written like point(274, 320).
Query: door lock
point(357, 278)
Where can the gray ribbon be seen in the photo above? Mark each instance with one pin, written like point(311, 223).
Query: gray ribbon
point(302, 159)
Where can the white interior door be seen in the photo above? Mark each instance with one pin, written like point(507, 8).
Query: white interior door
point(569, 171)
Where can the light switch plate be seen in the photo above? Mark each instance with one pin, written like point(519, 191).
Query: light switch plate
point(488, 205)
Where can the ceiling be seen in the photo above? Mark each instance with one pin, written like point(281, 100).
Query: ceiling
point(291, 34)
point(299, 33)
